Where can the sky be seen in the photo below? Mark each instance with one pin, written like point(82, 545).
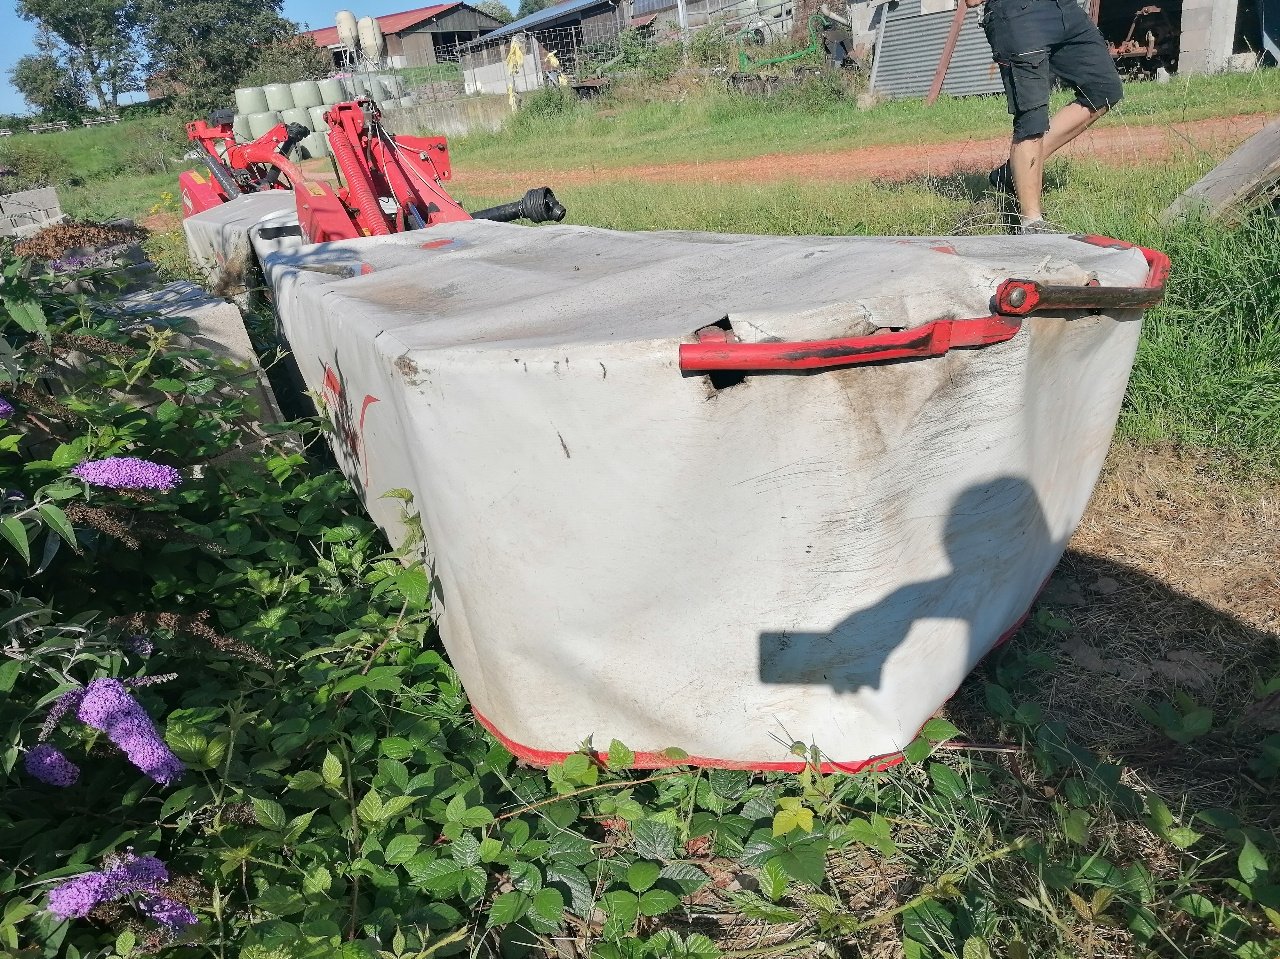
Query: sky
point(19, 36)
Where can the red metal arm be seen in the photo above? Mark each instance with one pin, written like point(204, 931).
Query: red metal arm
point(1021, 297)
point(715, 351)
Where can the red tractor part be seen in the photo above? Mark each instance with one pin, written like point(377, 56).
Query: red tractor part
point(391, 183)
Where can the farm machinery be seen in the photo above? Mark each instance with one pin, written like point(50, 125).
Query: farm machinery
point(386, 184)
point(683, 489)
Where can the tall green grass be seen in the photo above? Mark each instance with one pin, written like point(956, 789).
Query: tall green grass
point(703, 122)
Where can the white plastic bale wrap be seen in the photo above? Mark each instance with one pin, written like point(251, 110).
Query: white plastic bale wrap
point(260, 123)
point(219, 239)
point(332, 91)
point(251, 100)
point(279, 96)
point(622, 551)
point(306, 94)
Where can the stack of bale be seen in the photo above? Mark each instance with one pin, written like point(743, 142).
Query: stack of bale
point(258, 109)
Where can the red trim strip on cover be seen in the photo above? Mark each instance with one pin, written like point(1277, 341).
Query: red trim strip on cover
point(548, 757)
point(1014, 298)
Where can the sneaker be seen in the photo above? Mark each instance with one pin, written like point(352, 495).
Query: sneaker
point(1001, 179)
point(1039, 227)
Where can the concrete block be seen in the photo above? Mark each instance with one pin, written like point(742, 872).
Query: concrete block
point(211, 324)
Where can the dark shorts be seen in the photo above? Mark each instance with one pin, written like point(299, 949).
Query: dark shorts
point(1036, 40)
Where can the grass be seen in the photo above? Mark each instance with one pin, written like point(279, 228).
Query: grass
point(702, 123)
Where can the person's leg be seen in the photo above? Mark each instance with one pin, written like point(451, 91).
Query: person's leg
point(1067, 124)
point(1082, 61)
point(1021, 37)
point(1026, 162)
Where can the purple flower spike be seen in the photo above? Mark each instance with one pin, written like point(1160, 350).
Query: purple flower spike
point(6, 408)
point(173, 915)
point(77, 897)
point(48, 765)
point(138, 874)
point(108, 706)
point(128, 472)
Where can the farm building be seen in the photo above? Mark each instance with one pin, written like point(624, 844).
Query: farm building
point(570, 31)
point(421, 37)
point(1188, 36)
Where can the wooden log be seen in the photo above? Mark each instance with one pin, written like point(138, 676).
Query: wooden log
point(1236, 184)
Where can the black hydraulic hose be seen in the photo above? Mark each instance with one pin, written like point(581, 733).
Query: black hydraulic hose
point(294, 134)
point(539, 205)
point(219, 172)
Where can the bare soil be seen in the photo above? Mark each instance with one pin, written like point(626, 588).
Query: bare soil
point(1116, 145)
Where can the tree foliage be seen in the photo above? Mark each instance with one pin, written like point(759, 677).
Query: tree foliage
point(289, 60)
point(533, 6)
point(199, 49)
point(496, 9)
point(50, 87)
point(97, 39)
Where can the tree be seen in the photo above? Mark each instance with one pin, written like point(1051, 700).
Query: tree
point(49, 86)
point(496, 9)
point(295, 58)
point(199, 49)
point(533, 6)
point(97, 37)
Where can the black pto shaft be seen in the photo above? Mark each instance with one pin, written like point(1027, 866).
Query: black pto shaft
point(538, 205)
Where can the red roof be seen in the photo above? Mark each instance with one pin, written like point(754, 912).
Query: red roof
point(390, 23)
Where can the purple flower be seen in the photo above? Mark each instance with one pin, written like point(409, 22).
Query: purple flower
point(78, 897)
point(48, 765)
point(61, 706)
point(128, 472)
point(107, 705)
point(132, 873)
point(173, 915)
point(6, 408)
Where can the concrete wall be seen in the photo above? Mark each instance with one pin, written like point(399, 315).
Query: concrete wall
point(25, 213)
point(449, 117)
point(1208, 35)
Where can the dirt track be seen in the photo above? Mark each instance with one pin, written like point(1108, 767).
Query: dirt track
point(1118, 145)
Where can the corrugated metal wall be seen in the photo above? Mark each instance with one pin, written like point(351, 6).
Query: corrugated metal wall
point(911, 46)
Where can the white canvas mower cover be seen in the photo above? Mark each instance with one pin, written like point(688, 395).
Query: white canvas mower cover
point(721, 493)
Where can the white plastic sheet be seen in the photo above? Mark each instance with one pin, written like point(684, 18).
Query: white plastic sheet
point(624, 551)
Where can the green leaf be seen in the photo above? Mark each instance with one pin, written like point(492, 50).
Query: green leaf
point(58, 522)
point(125, 943)
point(548, 906)
point(939, 731)
point(656, 902)
point(401, 849)
point(787, 820)
point(642, 875)
point(16, 534)
point(621, 906)
point(509, 907)
point(773, 880)
point(1251, 862)
point(370, 807)
point(26, 312)
point(413, 585)
point(918, 750)
point(317, 881)
point(331, 771)
point(804, 860)
point(620, 757)
point(270, 814)
point(654, 840)
point(1075, 826)
point(946, 782)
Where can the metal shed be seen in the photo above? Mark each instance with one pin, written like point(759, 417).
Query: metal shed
point(912, 35)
